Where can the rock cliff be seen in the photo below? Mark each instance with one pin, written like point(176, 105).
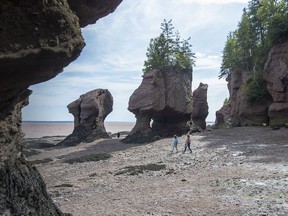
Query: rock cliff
point(273, 110)
point(89, 112)
point(162, 105)
point(276, 76)
point(243, 112)
point(200, 106)
point(37, 40)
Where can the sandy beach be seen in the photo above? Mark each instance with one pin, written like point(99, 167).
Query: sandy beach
point(239, 171)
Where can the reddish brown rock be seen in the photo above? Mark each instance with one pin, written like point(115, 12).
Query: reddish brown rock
point(90, 11)
point(200, 106)
point(162, 105)
point(89, 112)
point(276, 76)
point(223, 116)
point(37, 40)
point(242, 111)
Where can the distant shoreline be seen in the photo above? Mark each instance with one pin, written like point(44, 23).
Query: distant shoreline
point(114, 122)
point(55, 122)
point(38, 129)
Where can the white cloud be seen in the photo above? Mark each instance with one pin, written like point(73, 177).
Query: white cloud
point(115, 52)
point(205, 61)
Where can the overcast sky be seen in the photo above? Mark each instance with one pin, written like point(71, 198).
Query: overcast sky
point(116, 49)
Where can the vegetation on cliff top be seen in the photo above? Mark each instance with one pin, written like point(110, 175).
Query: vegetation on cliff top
point(264, 23)
point(169, 51)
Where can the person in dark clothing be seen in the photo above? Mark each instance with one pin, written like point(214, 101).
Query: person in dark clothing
point(187, 144)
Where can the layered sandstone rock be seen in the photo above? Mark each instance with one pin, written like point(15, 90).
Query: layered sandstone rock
point(242, 111)
point(89, 112)
point(37, 40)
point(200, 106)
point(276, 76)
point(90, 11)
point(223, 116)
point(162, 105)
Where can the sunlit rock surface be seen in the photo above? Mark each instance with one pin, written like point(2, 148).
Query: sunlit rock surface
point(89, 112)
point(162, 105)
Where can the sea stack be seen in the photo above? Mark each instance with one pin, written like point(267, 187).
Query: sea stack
point(200, 106)
point(89, 112)
point(162, 105)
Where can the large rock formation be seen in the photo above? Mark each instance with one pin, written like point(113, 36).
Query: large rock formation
point(273, 110)
point(200, 106)
point(37, 40)
point(89, 11)
point(162, 105)
point(223, 116)
point(276, 76)
point(89, 112)
point(242, 111)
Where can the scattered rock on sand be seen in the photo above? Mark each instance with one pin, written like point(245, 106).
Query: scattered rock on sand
point(237, 171)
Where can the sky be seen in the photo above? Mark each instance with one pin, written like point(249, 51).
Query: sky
point(116, 49)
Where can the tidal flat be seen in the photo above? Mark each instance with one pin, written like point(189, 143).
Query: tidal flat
point(238, 171)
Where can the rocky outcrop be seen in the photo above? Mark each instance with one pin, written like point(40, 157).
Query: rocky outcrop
point(90, 11)
point(223, 116)
point(89, 112)
point(37, 40)
point(162, 105)
point(274, 109)
point(200, 106)
point(23, 191)
point(243, 112)
point(276, 76)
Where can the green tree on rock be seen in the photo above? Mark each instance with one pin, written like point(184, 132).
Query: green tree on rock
point(264, 23)
point(169, 51)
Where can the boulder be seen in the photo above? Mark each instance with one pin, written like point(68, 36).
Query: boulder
point(89, 112)
point(37, 40)
point(162, 105)
point(276, 76)
point(200, 106)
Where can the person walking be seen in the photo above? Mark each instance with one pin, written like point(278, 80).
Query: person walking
point(187, 144)
point(175, 143)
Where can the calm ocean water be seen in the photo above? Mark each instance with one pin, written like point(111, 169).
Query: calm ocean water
point(37, 129)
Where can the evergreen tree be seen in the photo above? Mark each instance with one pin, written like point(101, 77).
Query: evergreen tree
point(168, 51)
point(264, 23)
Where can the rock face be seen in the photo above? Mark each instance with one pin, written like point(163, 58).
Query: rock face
point(90, 11)
point(200, 106)
point(276, 76)
point(243, 112)
point(223, 115)
point(89, 112)
point(272, 111)
point(37, 40)
point(162, 105)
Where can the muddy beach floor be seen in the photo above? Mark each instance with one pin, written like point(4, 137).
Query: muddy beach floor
point(239, 171)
